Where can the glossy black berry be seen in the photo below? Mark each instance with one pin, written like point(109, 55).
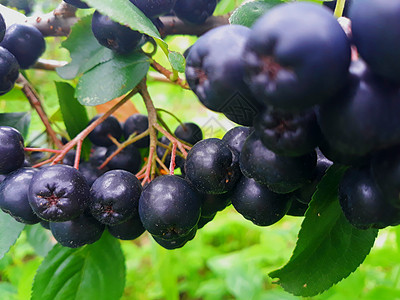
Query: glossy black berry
point(194, 11)
point(363, 203)
point(128, 230)
point(12, 153)
point(2, 27)
point(9, 70)
point(129, 159)
point(169, 207)
point(14, 196)
point(154, 8)
point(58, 193)
point(25, 42)
point(189, 132)
point(297, 208)
point(290, 134)
point(176, 243)
point(282, 174)
point(215, 71)
point(376, 34)
point(385, 167)
point(211, 168)
point(211, 204)
point(115, 197)
point(259, 204)
point(137, 124)
point(292, 64)
point(110, 126)
point(364, 116)
point(119, 38)
point(77, 3)
point(236, 137)
point(78, 232)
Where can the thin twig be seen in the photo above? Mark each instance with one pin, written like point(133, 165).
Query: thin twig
point(169, 75)
point(34, 100)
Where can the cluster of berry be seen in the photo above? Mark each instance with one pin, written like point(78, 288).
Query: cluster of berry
point(292, 77)
point(124, 40)
point(20, 47)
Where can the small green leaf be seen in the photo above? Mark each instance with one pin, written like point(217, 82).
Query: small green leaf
point(112, 79)
point(329, 248)
point(249, 12)
point(40, 239)
point(19, 121)
point(83, 48)
point(177, 60)
point(9, 232)
point(74, 114)
point(94, 271)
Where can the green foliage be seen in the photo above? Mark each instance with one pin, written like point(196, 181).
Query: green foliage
point(94, 271)
point(9, 232)
point(74, 114)
point(249, 12)
point(19, 121)
point(40, 239)
point(329, 248)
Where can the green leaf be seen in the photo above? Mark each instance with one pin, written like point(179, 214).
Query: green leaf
point(112, 79)
point(40, 239)
point(9, 232)
point(94, 271)
point(177, 60)
point(249, 12)
point(19, 121)
point(83, 48)
point(74, 114)
point(328, 248)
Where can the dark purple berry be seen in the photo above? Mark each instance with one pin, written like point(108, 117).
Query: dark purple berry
point(110, 126)
point(137, 124)
point(194, 11)
point(25, 42)
point(189, 132)
point(14, 196)
point(12, 153)
point(128, 230)
point(115, 197)
point(58, 193)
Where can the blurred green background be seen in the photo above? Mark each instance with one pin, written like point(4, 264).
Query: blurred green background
point(228, 259)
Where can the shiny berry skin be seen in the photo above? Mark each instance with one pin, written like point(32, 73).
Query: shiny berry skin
point(194, 11)
point(128, 230)
point(119, 38)
point(154, 8)
point(169, 207)
point(115, 197)
point(90, 172)
point(9, 70)
point(211, 167)
point(363, 117)
point(177, 242)
point(25, 42)
point(99, 136)
point(215, 71)
point(363, 203)
point(292, 64)
point(236, 137)
point(137, 124)
point(259, 204)
point(376, 34)
point(282, 174)
point(77, 3)
point(14, 196)
point(189, 132)
point(78, 232)
point(290, 134)
point(12, 153)
point(58, 193)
